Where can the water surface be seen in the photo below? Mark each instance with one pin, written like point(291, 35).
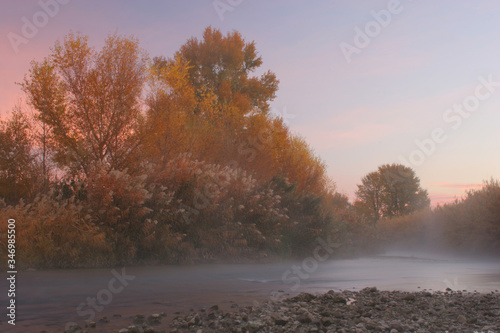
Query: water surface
point(51, 298)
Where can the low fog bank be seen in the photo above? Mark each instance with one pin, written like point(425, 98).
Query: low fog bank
point(467, 229)
point(398, 251)
point(431, 235)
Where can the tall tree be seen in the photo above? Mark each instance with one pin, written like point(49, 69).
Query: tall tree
point(222, 65)
point(90, 100)
point(227, 96)
point(46, 95)
point(169, 117)
point(392, 190)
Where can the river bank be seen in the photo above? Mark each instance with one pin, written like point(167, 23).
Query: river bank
point(368, 310)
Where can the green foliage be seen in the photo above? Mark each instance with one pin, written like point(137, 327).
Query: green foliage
point(393, 190)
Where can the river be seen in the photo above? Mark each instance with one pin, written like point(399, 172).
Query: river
point(51, 298)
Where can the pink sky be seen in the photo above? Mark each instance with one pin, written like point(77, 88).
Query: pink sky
point(356, 115)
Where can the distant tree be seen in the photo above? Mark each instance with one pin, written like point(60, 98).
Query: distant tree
point(369, 196)
point(392, 190)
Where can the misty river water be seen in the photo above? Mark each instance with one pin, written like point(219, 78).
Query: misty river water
point(53, 297)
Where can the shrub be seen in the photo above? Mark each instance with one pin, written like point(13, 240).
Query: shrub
point(221, 209)
point(472, 224)
point(417, 230)
point(54, 233)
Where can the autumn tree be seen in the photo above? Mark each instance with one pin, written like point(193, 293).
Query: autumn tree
point(221, 70)
point(46, 96)
point(301, 166)
point(168, 127)
point(392, 190)
point(207, 90)
point(89, 100)
point(198, 128)
point(223, 65)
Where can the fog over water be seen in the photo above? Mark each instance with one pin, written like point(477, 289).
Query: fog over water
point(394, 270)
point(409, 272)
point(52, 296)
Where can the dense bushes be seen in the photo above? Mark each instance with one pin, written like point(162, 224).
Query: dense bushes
point(472, 224)
point(221, 210)
point(52, 232)
point(417, 230)
point(184, 211)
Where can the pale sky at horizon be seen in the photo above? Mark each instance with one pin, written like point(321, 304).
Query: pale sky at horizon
point(399, 89)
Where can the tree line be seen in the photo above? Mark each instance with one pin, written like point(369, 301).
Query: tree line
point(125, 158)
point(153, 158)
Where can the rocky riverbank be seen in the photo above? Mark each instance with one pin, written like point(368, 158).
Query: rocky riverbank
point(368, 310)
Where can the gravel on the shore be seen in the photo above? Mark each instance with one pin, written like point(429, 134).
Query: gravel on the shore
point(368, 310)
